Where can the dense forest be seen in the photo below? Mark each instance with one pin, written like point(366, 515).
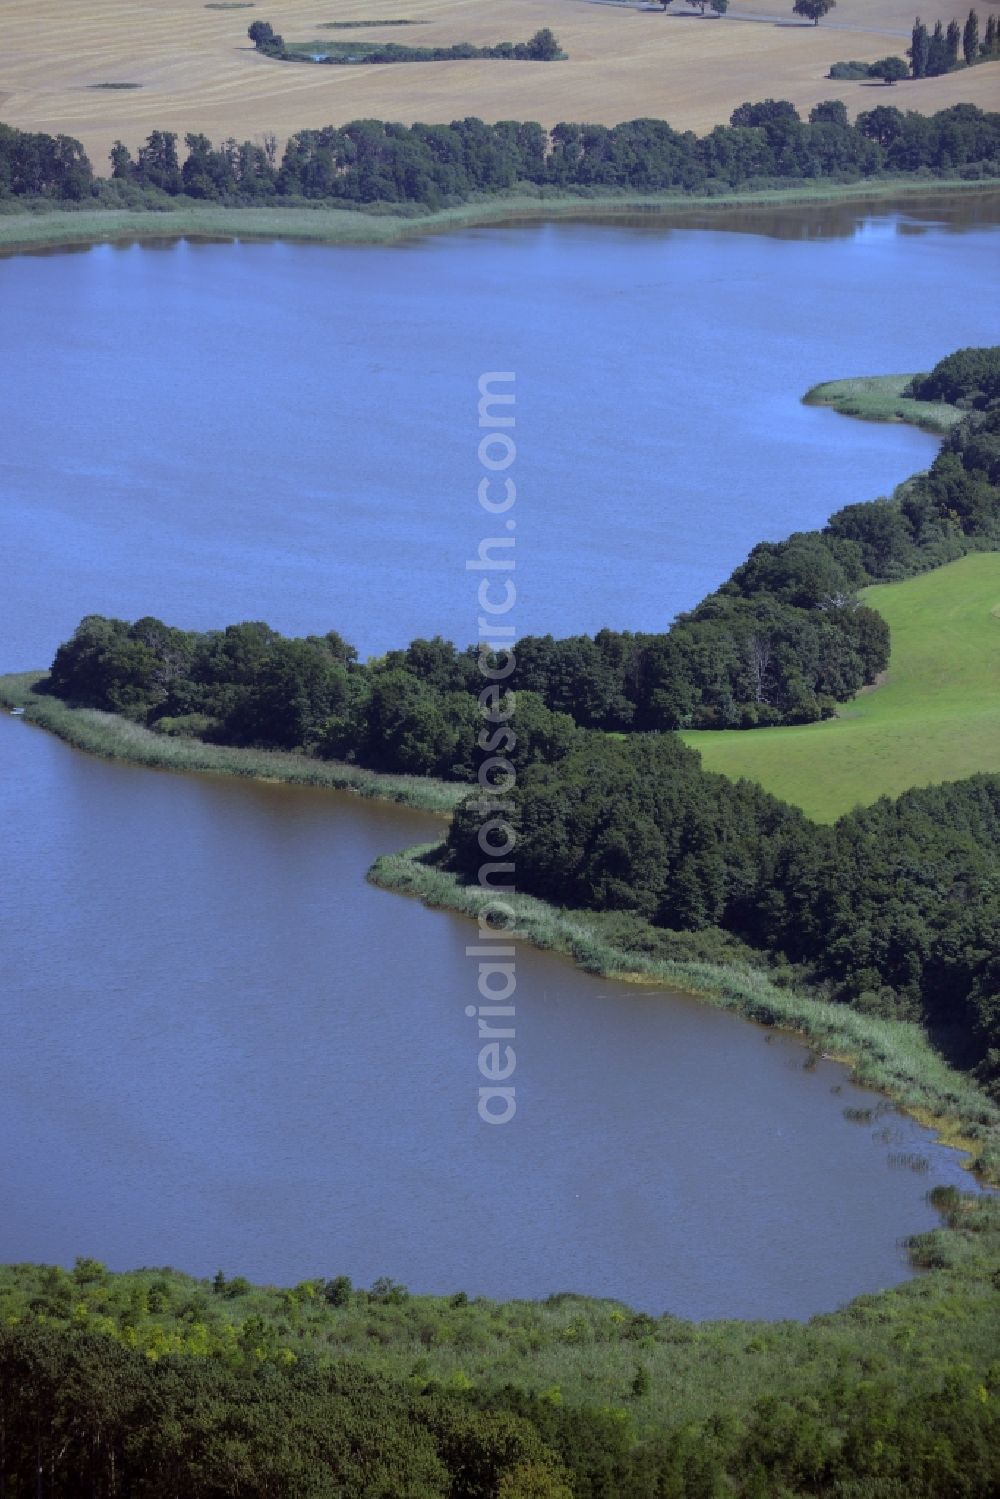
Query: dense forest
point(153, 1385)
point(370, 161)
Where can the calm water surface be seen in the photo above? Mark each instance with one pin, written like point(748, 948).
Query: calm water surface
point(221, 432)
point(219, 1045)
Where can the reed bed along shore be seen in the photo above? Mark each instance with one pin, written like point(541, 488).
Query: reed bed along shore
point(880, 398)
point(115, 738)
point(47, 227)
point(893, 1057)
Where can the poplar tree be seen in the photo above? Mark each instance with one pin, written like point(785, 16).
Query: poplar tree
point(937, 60)
point(970, 39)
point(953, 43)
point(919, 49)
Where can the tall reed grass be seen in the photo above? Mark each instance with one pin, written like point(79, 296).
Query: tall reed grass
point(115, 738)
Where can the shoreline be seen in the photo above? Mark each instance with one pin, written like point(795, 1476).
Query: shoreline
point(880, 398)
point(67, 229)
point(112, 737)
point(893, 1058)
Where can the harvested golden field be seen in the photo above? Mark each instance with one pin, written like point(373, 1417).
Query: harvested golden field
point(197, 70)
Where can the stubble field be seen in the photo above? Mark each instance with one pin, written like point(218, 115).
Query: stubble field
point(197, 71)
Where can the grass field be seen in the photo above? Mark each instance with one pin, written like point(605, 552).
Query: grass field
point(199, 72)
point(879, 398)
point(935, 718)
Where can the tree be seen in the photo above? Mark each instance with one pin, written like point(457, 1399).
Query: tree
point(829, 112)
point(260, 32)
point(920, 47)
point(121, 162)
point(543, 46)
point(813, 10)
point(953, 43)
point(937, 57)
point(970, 39)
point(890, 70)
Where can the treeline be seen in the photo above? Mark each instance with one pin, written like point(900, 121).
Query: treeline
point(370, 161)
point(894, 908)
point(154, 1385)
point(782, 641)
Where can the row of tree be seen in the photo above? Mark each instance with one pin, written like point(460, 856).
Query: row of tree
point(370, 161)
point(942, 49)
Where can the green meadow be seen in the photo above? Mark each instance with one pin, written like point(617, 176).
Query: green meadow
point(935, 718)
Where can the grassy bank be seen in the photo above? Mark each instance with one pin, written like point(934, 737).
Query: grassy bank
point(115, 738)
point(879, 398)
point(936, 717)
point(891, 1056)
point(55, 228)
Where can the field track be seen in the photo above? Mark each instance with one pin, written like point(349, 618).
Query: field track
point(197, 71)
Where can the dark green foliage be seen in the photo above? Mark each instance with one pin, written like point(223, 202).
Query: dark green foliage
point(970, 39)
point(889, 69)
point(33, 165)
point(969, 378)
point(832, 111)
point(920, 49)
point(849, 72)
point(369, 161)
point(813, 10)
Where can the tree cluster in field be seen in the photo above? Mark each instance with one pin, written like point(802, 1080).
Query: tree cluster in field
point(942, 50)
point(542, 47)
point(370, 162)
point(932, 53)
point(153, 1385)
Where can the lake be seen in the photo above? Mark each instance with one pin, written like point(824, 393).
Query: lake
point(211, 433)
point(220, 1046)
